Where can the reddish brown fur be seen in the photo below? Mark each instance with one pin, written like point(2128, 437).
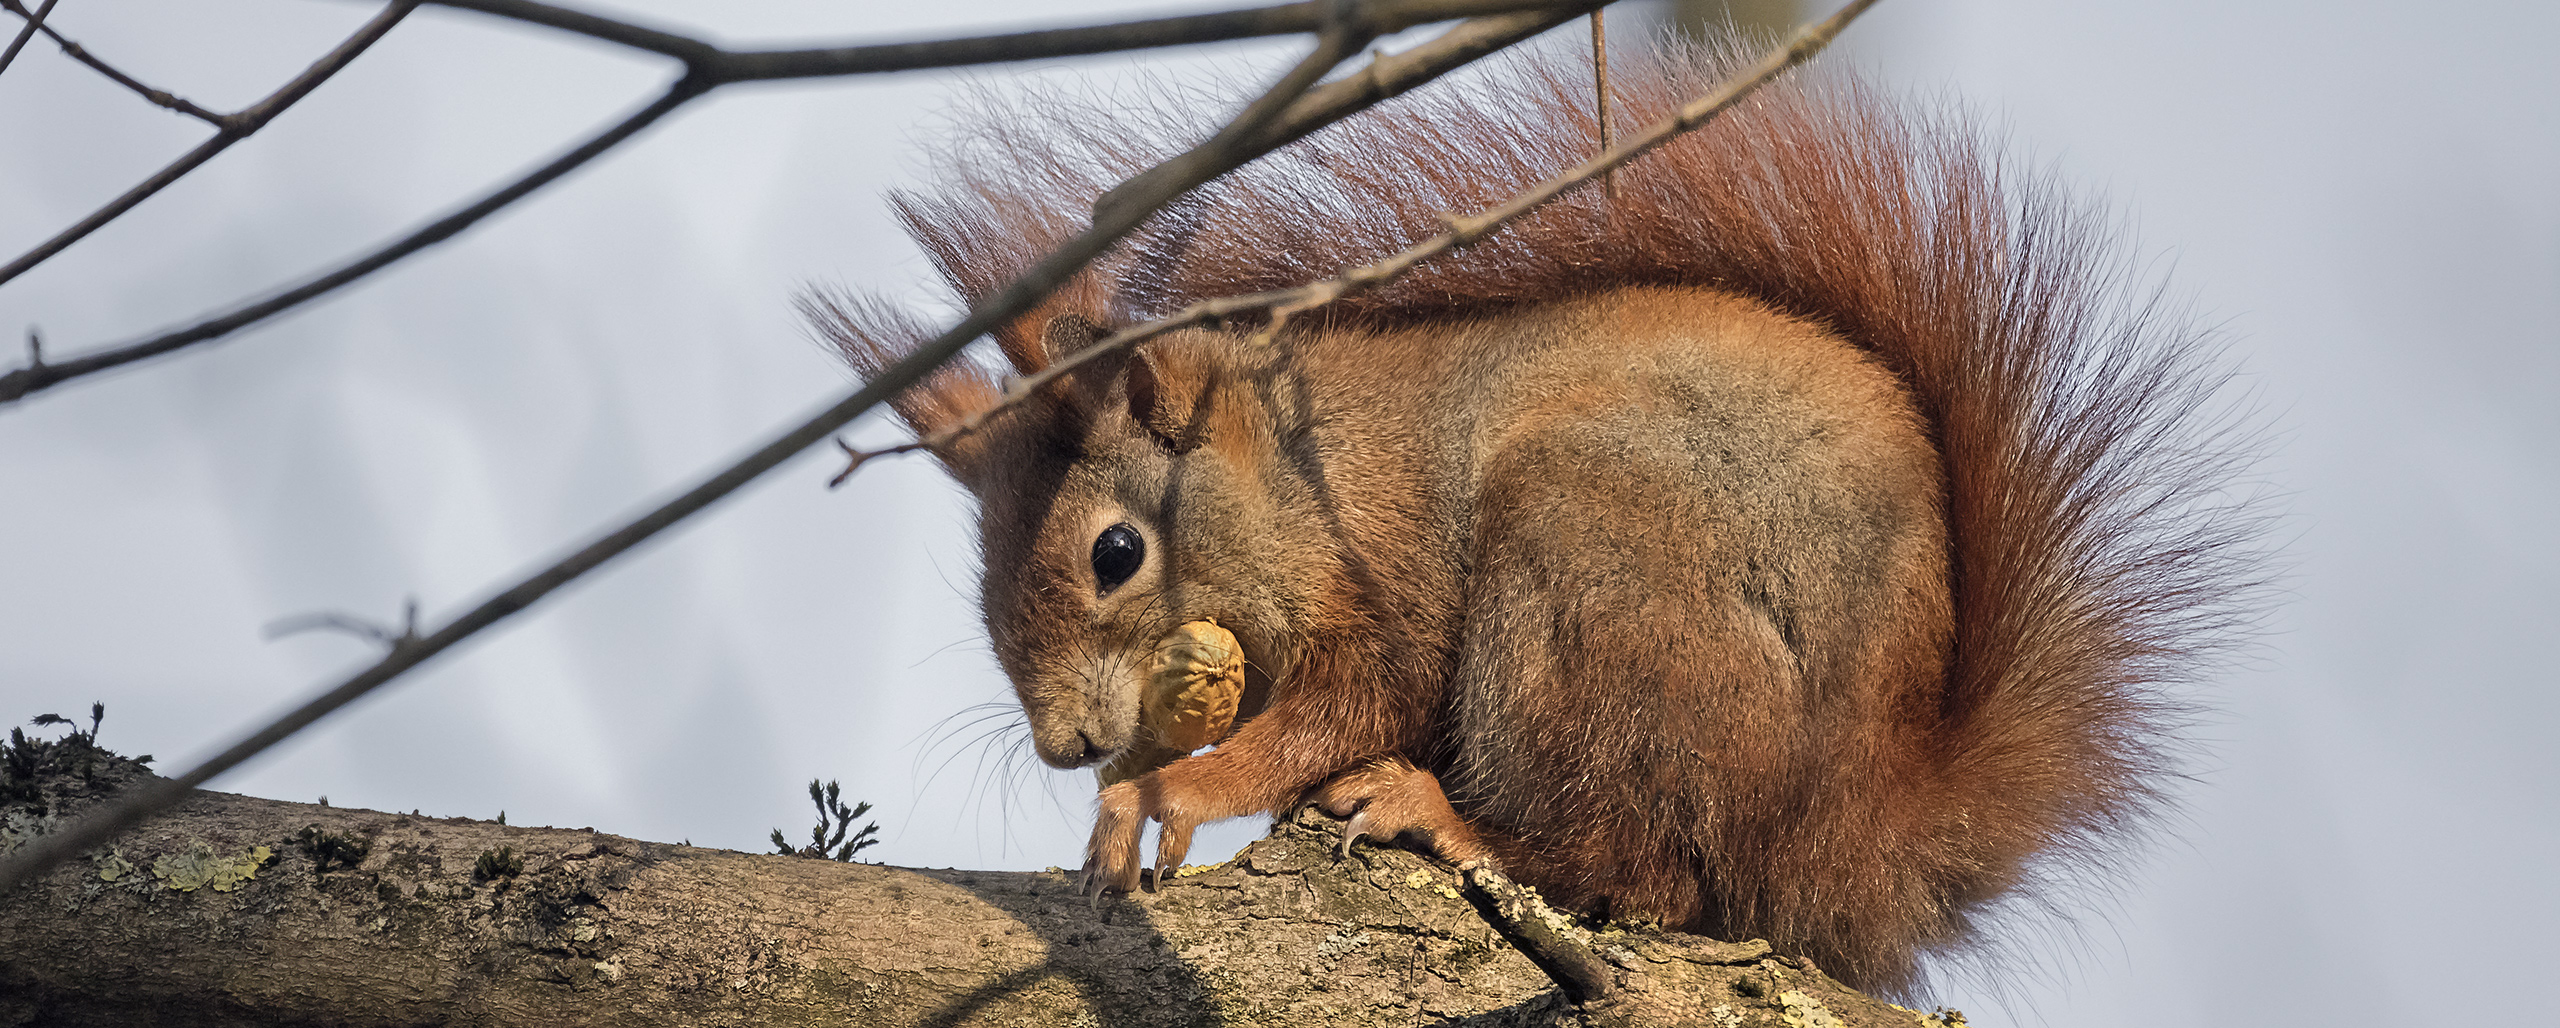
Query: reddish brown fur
point(1791, 546)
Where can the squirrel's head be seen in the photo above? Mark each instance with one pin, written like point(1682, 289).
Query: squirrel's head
point(1143, 490)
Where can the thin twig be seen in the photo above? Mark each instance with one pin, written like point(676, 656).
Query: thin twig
point(1600, 93)
point(693, 52)
point(1464, 232)
point(81, 54)
point(234, 128)
point(1520, 916)
point(724, 66)
point(23, 381)
point(708, 67)
point(1281, 304)
point(361, 628)
point(1228, 149)
point(1344, 34)
point(27, 32)
point(1320, 106)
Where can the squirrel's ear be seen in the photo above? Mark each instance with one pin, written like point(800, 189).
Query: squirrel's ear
point(1068, 333)
point(1169, 395)
point(1088, 387)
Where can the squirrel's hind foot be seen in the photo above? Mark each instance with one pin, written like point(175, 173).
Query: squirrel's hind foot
point(1390, 800)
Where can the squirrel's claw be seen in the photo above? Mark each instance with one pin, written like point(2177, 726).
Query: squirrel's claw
point(1390, 799)
point(1173, 842)
point(1351, 833)
point(1111, 858)
point(1119, 827)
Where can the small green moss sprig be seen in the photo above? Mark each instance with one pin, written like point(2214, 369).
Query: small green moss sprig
point(832, 815)
point(497, 864)
point(326, 848)
point(24, 759)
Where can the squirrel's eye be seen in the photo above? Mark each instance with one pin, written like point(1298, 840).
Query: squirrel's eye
point(1117, 552)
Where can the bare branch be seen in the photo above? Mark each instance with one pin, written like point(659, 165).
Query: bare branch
point(19, 383)
point(855, 459)
point(1233, 145)
point(693, 52)
point(709, 68)
point(1281, 304)
point(1318, 107)
point(362, 628)
point(234, 128)
point(1600, 92)
point(725, 66)
point(27, 32)
point(1382, 16)
point(1522, 918)
point(81, 54)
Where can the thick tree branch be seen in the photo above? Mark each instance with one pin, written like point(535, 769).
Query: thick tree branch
point(242, 911)
point(1390, 75)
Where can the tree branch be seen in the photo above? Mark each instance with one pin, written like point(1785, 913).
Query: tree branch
point(1382, 17)
point(1283, 303)
point(239, 911)
point(233, 128)
point(708, 68)
point(23, 381)
point(695, 53)
point(161, 97)
point(26, 32)
point(1318, 107)
point(723, 65)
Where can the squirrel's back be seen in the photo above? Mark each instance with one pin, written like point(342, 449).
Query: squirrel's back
point(2092, 556)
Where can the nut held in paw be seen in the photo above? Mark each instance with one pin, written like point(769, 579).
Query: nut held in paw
point(1194, 682)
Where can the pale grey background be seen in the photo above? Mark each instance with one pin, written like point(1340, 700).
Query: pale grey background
point(2360, 194)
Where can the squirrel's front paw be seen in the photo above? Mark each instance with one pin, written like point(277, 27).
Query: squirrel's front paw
point(1119, 828)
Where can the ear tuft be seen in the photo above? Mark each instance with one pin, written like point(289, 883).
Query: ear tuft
point(873, 334)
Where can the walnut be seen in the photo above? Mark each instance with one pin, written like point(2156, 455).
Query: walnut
point(1194, 681)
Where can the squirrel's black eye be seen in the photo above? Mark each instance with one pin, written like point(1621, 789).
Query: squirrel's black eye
point(1117, 552)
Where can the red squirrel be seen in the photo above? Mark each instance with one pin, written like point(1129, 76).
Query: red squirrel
point(1793, 540)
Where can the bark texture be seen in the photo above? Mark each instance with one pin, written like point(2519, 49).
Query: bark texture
point(242, 911)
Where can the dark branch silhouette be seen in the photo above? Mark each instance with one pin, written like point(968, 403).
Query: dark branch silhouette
point(232, 128)
point(19, 383)
point(34, 21)
point(706, 67)
point(159, 97)
point(724, 66)
point(1282, 304)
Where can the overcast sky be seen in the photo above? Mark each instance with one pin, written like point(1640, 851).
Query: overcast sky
point(2360, 196)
